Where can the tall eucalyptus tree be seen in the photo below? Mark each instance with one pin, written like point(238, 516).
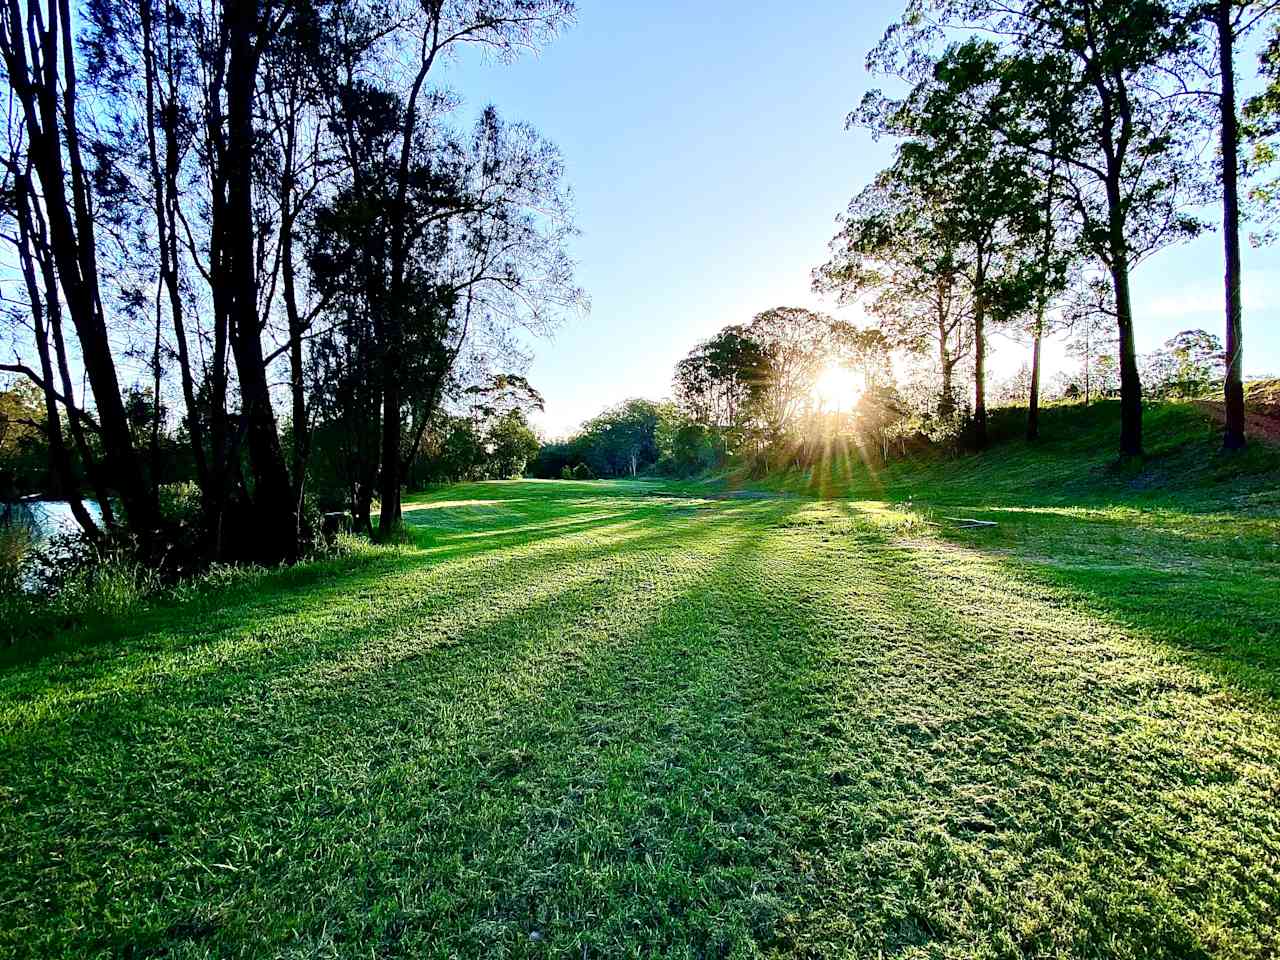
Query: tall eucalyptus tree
point(1088, 84)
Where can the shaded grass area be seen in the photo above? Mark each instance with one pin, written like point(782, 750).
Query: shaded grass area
point(600, 719)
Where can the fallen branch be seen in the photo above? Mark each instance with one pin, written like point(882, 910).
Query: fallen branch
point(963, 522)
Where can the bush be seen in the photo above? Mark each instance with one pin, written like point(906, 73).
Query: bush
point(566, 472)
point(583, 472)
point(16, 543)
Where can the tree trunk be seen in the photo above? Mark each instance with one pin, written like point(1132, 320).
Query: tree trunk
point(1042, 299)
point(1130, 382)
point(272, 495)
point(1088, 363)
point(979, 365)
point(947, 401)
point(1033, 403)
point(361, 508)
point(1233, 437)
point(389, 515)
point(297, 385)
point(60, 466)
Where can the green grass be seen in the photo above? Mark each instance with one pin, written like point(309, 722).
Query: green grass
point(616, 719)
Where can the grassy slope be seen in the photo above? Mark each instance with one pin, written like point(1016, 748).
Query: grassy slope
point(1186, 541)
point(585, 720)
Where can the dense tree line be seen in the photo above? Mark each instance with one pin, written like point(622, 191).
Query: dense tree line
point(263, 216)
point(1044, 149)
point(788, 388)
point(633, 438)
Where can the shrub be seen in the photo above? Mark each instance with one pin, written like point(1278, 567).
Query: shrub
point(16, 543)
point(583, 472)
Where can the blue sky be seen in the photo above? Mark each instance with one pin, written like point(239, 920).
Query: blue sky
point(706, 148)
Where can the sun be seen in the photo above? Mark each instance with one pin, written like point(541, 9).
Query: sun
point(837, 388)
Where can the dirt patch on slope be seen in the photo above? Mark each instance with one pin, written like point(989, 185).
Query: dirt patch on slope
point(1262, 410)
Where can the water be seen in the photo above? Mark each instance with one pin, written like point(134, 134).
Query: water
point(50, 518)
point(46, 522)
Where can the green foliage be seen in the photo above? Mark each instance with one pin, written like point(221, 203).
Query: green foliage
point(1188, 365)
point(24, 454)
point(1261, 129)
point(756, 389)
point(633, 438)
point(511, 445)
point(696, 448)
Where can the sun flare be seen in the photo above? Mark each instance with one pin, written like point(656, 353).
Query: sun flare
point(837, 388)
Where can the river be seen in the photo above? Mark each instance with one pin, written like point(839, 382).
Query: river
point(50, 518)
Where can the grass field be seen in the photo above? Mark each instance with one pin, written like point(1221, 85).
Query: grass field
point(636, 719)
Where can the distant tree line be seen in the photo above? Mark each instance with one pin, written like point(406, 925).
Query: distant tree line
point(633, 438)
point(778, 391)
point(760, 396)
point(251, 248)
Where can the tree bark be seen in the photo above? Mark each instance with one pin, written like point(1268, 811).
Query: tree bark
point(947, 400)
point(1033, 402)
point(1130, 381)
point(389, 513)
point(1233, 437)
point(60, 465)
point(272, 495)
point(980, 357)
point(1042, 298)
point(297, 327)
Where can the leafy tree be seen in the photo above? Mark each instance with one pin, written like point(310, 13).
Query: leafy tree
point(264, 201)
point(623, 440)
point(1227, 23)
point(1188, 363)
point(57, 230)
point(695, 448)
point(510, 445)
point(897, 255)
point(796, 344)
point(982, 186)
point(720, 381)
point(1089, 84)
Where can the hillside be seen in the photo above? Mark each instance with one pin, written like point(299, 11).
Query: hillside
point(1074, 462)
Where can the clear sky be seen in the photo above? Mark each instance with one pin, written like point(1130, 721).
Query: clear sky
point(705, 144)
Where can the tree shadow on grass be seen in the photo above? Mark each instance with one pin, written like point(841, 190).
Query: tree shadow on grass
point(740, 733)
point(269, 778)
point(1205, 589)
point(1010, 771)
point(247, 591)
point(260, 633)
